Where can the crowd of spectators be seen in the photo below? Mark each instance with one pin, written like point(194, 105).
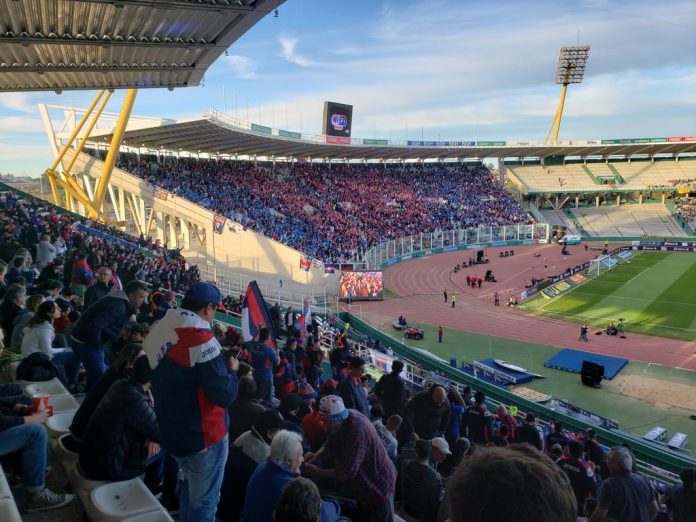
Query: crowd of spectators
point(335, 212)
point(687, 209)
point(225, 429)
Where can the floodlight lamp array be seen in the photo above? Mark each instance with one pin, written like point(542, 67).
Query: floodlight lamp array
point(571, 64)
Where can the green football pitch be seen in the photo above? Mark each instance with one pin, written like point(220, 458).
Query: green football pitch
point(655, 293)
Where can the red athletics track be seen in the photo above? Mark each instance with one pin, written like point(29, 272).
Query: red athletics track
point(420, 282)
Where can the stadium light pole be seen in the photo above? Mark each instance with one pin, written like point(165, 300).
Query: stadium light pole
point(571, 69)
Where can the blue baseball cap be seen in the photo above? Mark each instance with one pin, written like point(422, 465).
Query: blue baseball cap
point(204, 292)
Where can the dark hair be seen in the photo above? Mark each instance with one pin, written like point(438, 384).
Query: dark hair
point(125, 359)
point(134, 286)
point(157, 299)
point(479, 397)
point(557, 427)
point(530, 417)
point(246, 388)
point(299, 502)
point(531, 484)
point(244, 370)
point(422, 449)
point(18, 261)
point(377, 412)
point(44, 313)
point(575, 448)
point(73, 316)
point(504, 430)
point(356, 362)
point(397, 367)
point(142, 373)
point(264, 335)
point(53, 284)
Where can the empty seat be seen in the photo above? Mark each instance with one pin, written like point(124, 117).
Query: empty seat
point(59, 423)
point(63, 403)
point(119, 500)
point(52, 387)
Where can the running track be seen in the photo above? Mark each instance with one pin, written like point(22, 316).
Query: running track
point(419, 285)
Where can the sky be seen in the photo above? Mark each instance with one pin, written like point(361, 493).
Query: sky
point(430, 69)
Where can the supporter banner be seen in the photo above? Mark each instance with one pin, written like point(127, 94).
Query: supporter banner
point(219, 224)
point(160, 193)
point(305, 263)
point(367, 141)
point(329, 269)
point(261, 128)
point(556, 289)
point(338, 140)
point(316, 264)
point(628, 141)
point(682, 138)
point(290, 134)
point(490, 143)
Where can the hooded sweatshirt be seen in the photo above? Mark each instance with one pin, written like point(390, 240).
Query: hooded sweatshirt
point(101, 324)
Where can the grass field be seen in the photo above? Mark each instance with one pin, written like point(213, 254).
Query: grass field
point(629, 399)
point(653, 291)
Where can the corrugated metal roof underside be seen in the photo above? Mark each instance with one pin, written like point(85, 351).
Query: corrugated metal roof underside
point(68, 44)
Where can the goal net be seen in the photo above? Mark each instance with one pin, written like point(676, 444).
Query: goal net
point(601, 264)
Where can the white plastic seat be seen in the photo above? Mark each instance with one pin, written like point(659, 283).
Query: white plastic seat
point(51, 388)
point(9, 511)
point(153, 516)
point(59, 423)
point(63, 403)
point(5, 491)
point(119, 500)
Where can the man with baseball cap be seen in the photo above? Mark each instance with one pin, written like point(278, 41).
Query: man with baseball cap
point(362, 469)
point(193, 386)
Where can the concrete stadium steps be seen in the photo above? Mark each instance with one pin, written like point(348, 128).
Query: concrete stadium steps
point(651, 219)
point(577, 177)
point(558, 218)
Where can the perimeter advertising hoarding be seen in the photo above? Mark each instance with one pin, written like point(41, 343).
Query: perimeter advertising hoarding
point(338, 119)
point(361, 286)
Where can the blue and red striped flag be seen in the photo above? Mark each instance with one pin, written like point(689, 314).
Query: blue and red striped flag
point(255, 315)
point(305, 318)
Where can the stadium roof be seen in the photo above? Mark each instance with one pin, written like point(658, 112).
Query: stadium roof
point(94, 44)
point(219, 135)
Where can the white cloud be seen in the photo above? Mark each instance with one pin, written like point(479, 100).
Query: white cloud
point(242, 67)
point(16, 124)
point(18, 101)
point(287, 51)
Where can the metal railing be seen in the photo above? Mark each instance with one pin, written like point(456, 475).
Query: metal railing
point(396, 250)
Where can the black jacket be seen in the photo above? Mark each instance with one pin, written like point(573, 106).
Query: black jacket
point(94, 293)
point(113, 445)
point(529, 433)
point(390, 390)
point(102, 323)
point(427, 419)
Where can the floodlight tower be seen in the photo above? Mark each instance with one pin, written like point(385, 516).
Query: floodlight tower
point(571, 69)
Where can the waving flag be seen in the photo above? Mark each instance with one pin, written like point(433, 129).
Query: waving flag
point(305, 318)
point(255, 313)
point(305, 263)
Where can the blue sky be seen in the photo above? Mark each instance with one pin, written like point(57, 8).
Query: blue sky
point(443, 69)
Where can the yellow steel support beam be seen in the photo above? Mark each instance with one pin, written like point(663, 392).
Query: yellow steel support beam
point(70, 190)
point(81, 146)
point(556, 123)
point(110, 160)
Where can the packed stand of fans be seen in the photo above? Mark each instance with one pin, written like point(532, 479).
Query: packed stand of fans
point(335, 212)
point(226, 429)
point(687, 209)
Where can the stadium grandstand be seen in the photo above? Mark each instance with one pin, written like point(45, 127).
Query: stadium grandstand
point(174, 305)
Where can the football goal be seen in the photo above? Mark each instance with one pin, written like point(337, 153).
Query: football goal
point(601, 264)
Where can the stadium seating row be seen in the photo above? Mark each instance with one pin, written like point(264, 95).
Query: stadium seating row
point(335, 212)
point(576, 177)
point(652, 219)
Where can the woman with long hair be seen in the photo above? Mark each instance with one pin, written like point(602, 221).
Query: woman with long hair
point(39, 335)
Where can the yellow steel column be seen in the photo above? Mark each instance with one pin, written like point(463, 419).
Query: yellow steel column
point(110, 160)
point(560, 112)
point(81, 146)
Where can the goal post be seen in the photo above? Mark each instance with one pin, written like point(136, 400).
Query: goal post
point(601, 264)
